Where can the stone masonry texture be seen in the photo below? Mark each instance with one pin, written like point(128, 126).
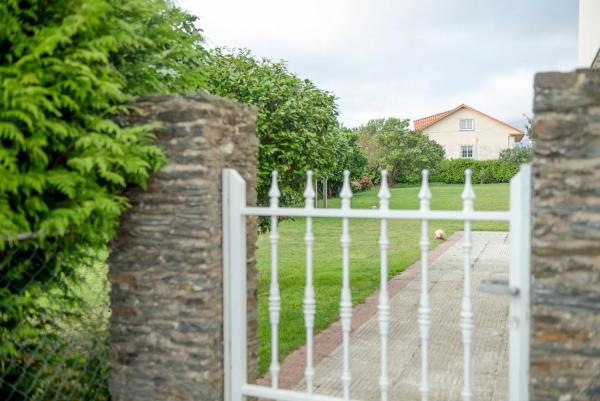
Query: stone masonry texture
point(166, 263)
point(565, 347)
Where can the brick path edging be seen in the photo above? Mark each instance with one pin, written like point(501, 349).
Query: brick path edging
point(292, 368)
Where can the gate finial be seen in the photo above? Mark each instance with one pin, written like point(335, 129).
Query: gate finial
point(346, 192)
point(384, 192)
point(309, 192)
point(424, 192)
point(274, 193)
point(468, 196)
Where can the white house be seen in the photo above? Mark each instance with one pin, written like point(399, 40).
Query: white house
point(589, 34)
point(467, 132)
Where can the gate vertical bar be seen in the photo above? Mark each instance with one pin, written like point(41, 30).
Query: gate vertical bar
point(274, 297)
point(466, 314)
point(424, 307)
point(384, 306)
point(234, 285)
point(309, 290)
point(520, 278)
point(316, 189)
point(346, 298)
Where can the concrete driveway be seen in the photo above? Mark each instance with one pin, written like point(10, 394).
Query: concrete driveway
point(490, 252)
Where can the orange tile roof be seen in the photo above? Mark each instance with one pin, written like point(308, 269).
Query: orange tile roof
point(430, 120)
point(422, 123)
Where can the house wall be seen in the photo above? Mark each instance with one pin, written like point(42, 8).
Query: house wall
point(488, 139)
point(589, 32)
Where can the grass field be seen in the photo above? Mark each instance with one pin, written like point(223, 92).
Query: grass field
point(364, 257)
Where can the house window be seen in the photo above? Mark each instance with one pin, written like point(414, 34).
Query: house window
point(466, 124)
point(466, 151)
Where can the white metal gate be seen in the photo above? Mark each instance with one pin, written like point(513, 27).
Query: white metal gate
point(235, 211)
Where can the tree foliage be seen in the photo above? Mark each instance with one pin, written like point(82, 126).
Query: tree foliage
point(297, 122)
point(529, 128)
point(378, 126)
point(160, 47)
point(348, 156)
point(516, 156)
point(390, 145)
point(66, 68)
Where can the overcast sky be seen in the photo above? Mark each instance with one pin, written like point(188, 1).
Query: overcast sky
point(405, 58)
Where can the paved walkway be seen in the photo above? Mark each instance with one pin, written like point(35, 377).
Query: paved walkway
point(490, 252)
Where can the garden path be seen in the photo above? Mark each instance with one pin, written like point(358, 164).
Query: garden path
point(490, 254)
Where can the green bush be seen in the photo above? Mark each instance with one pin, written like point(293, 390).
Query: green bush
point(66, 69)
point(516, 156)
point(484, 171)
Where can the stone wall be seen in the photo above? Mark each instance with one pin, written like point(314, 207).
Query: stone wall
point(565, 347)
point(166, 263)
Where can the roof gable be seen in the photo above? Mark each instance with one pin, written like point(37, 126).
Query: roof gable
point(422, 123)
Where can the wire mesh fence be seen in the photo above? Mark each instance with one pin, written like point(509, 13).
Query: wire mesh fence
point(54, 312)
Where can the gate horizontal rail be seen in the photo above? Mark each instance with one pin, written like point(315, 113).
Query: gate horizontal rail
point(235, 212)
point(377, 214)
point(283, 395)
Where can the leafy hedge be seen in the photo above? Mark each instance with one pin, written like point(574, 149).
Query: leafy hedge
point(484, 171)
point(66, 69)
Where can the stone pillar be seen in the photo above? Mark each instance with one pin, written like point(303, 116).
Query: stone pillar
point(166, 263)
point(565, 347)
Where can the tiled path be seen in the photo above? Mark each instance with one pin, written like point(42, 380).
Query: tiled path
point(490, 254)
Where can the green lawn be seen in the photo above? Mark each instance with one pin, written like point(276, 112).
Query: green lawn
point(364, 257)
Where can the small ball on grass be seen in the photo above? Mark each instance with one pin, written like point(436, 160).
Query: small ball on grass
point(439, 234)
